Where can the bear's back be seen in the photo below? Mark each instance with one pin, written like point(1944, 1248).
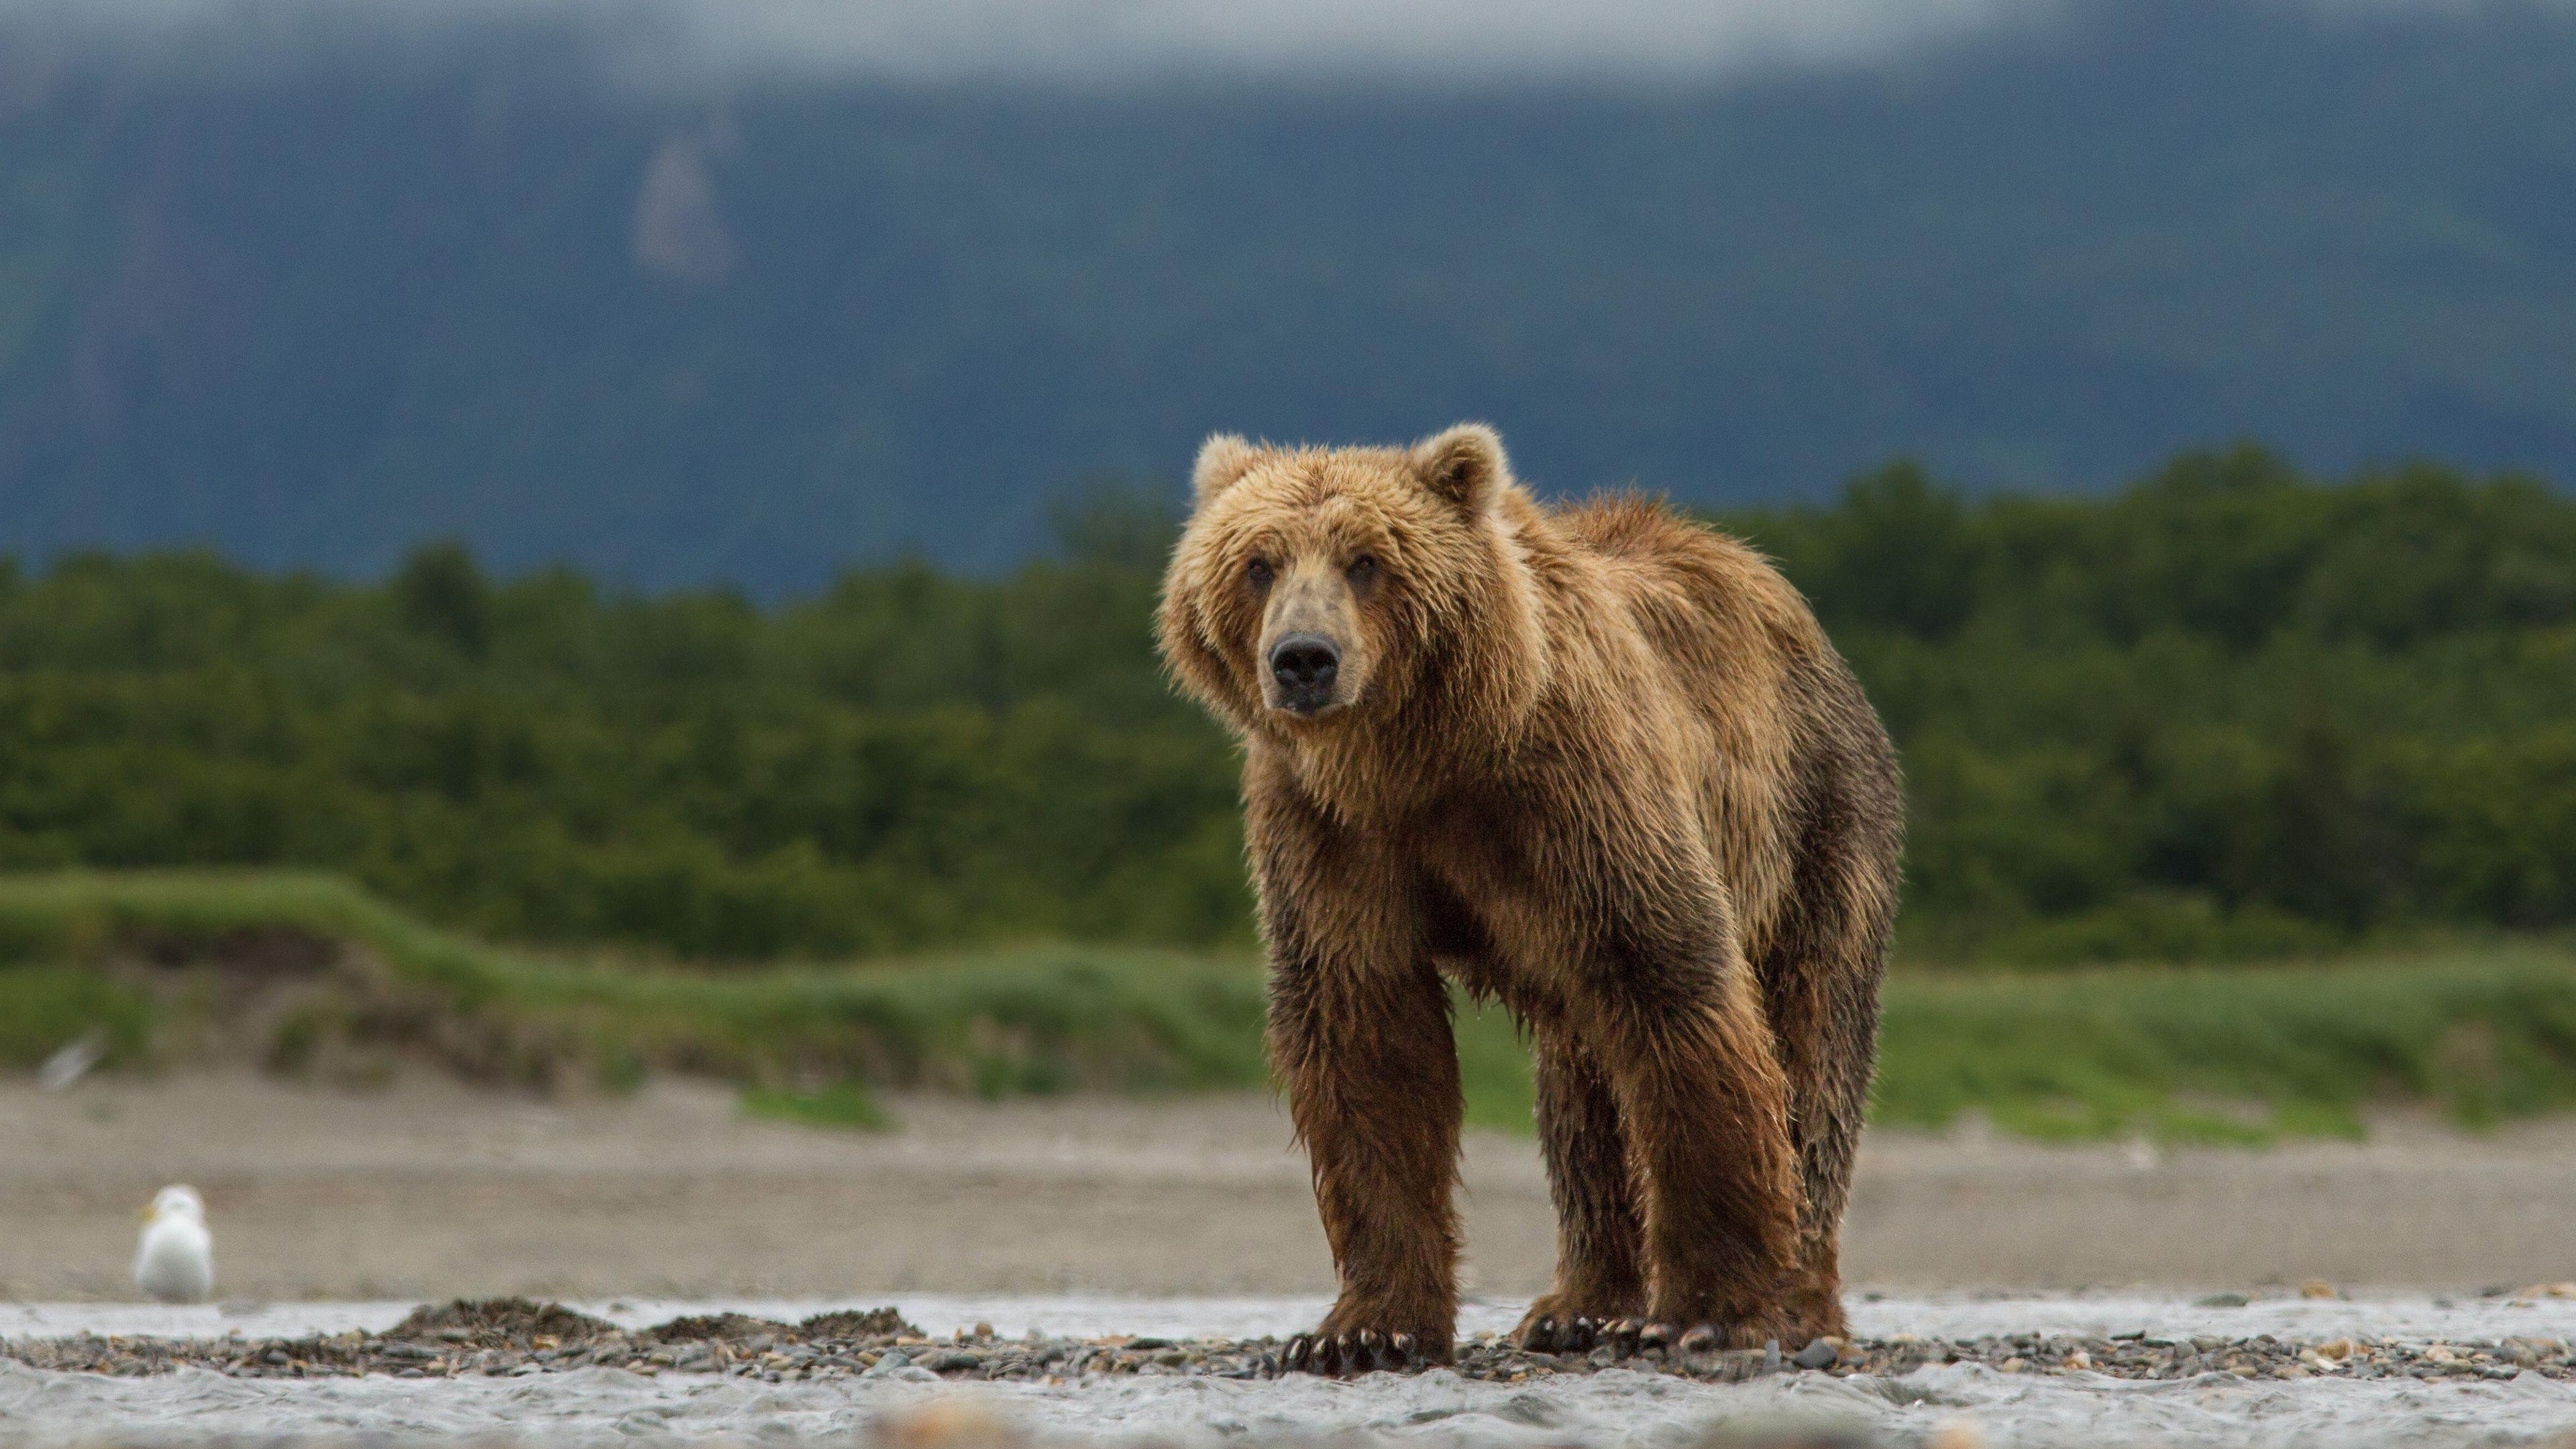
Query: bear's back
point(1709, 602)
point(1753, 668)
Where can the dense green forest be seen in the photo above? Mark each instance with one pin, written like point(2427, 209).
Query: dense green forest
point(2228, 711)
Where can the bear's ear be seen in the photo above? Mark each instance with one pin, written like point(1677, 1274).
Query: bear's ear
point(1223, 460)
point(1464, 465)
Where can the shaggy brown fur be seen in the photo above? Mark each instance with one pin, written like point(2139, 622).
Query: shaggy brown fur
point(1600, 765)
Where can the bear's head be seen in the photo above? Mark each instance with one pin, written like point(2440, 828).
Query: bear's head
point(1316, 590)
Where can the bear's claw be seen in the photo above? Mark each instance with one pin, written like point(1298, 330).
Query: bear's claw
point(1562, 1335)
point(1337, 1355)
point(1625, 1337)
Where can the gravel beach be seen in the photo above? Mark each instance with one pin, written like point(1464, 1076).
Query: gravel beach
point(1049, 1267)
point(1948, 1371)
point(517, 1337)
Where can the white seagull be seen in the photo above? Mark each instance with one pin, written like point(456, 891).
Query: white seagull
point(175, 1260)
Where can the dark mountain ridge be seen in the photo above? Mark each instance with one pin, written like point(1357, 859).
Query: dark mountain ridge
point(314, 310)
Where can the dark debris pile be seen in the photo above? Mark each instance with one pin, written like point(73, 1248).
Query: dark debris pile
point(518, 1337)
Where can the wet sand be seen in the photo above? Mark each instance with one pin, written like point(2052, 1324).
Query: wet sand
point(428, 1190)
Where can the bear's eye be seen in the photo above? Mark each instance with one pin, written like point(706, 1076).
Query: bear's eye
point(1259, 572)
point(1362, 569)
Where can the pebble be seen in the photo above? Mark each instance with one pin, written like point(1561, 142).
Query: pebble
point(511, 1337)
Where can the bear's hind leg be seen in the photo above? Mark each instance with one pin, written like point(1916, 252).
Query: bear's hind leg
point(1820, 981)
point(1820, 976)
point(1706, 1110)
point(1825, 1047)
point(1600, 1276)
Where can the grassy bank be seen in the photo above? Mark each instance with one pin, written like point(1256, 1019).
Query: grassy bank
point(306, 972)
point(311, 976)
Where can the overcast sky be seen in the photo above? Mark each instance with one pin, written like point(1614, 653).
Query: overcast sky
point(1107, 40)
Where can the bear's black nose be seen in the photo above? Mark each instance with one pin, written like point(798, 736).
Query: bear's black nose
point(1304, 665)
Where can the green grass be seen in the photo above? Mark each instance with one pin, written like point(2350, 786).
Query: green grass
point(2235, 1054)
point(2483, 1036)
point(44, 1008)
point(998, 1023)
point(848, 1105)
point(2240, 1054)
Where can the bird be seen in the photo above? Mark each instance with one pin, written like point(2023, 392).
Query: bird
point(174, 1260)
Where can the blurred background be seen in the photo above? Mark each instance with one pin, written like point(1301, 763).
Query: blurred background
point(594, 548)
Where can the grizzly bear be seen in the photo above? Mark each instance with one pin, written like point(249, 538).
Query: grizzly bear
point(1599, 765)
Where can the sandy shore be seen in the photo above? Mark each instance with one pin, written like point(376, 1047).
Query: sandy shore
point(429, 1190)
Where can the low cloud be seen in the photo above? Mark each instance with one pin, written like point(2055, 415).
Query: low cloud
point(1331, 38)
point(1071, 40)
point(1105, 41)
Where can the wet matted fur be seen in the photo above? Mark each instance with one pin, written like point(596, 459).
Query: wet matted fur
point(1598, 764)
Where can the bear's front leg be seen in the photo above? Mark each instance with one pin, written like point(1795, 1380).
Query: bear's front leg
point(1699, 1088)
point(1372, 1077)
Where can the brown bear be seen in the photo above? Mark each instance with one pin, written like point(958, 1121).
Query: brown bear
point(1597, 764)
